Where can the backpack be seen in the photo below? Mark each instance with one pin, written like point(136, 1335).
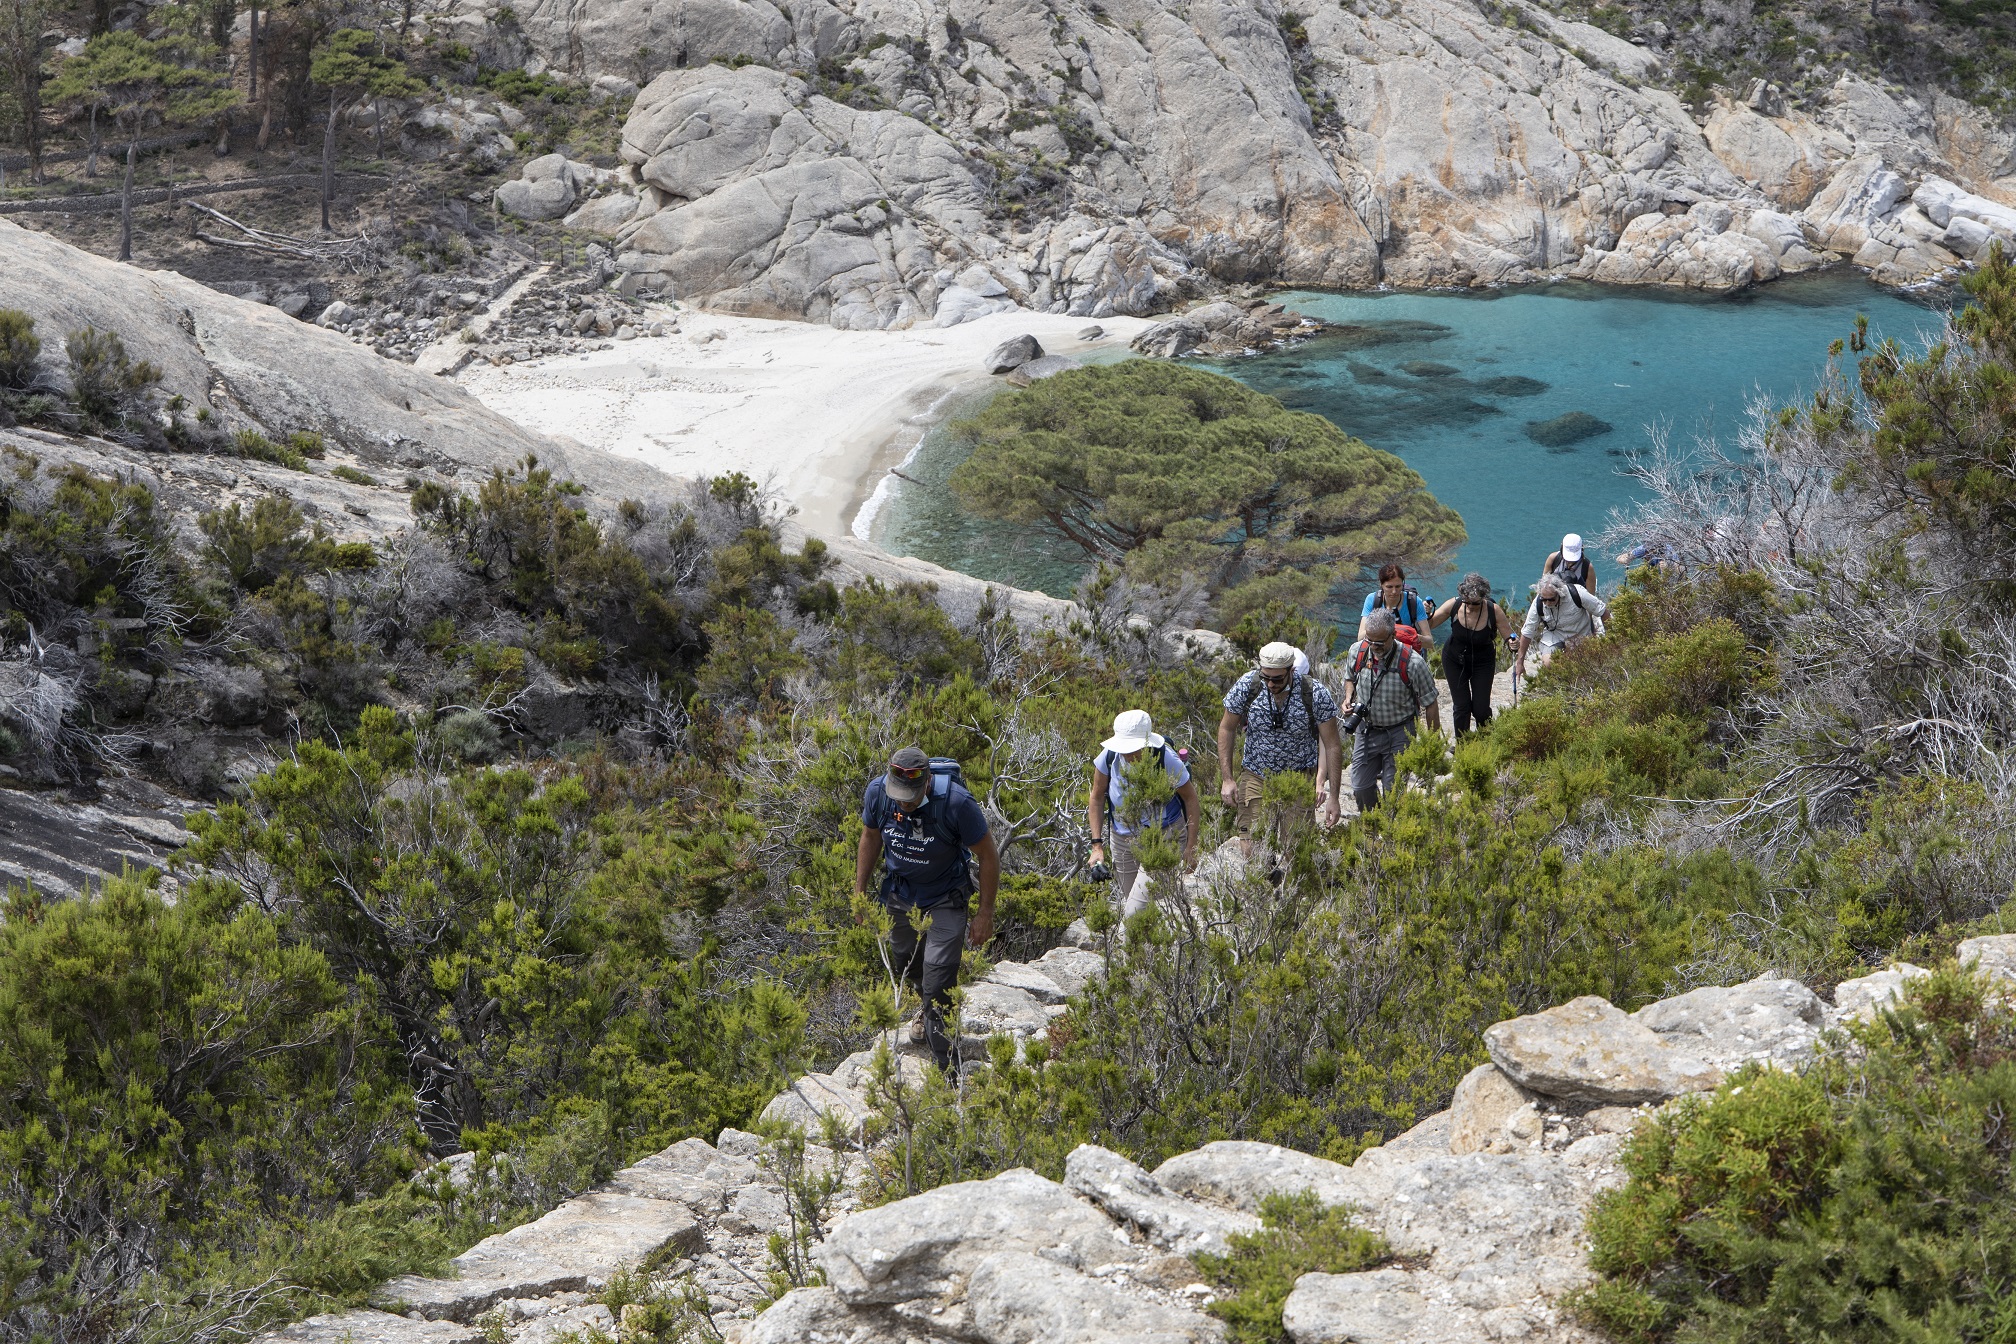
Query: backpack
point(1308, 701)
point(1414, 650)
point(1172, 811)
point(1409, 632)
point(945, 772)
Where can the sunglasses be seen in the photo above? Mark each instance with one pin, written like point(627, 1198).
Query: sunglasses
point(1276, 679)
point(909, 775)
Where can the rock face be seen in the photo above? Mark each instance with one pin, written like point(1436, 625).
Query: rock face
point(254, 367)
point(865, 156)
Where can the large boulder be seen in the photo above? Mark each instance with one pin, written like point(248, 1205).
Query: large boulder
point(777, 202)
point(1588, 1050)
point(1012, 354)
point(921, 1246)
point(1770, 1020)
point(1484, 1105)
point(1016, 1297)
point(1994, 956)
point(542, 200)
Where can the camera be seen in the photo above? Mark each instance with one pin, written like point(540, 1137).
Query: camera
point(1353, 720)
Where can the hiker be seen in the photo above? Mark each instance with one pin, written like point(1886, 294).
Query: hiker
point(1290, 720)
point(1657, 555)
point(1561, 613)
point(918, 820)
point(1395, 596)
point(1571, 564)
point(1470, 655)
point(1133, 733)
point(1392, 685)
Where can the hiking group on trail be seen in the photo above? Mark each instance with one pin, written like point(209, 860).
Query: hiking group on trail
point(931, 840)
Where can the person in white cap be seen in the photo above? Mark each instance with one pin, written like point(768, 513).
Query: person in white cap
point(1571, 564)
point(1290, 721)
point(1133, 733)
point(1561, 613)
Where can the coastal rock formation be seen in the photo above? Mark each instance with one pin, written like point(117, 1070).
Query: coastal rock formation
point(873, 164)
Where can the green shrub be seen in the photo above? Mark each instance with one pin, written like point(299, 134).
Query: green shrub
point(1869, 1198)
point(1300, 1236)
point(352, 475)
point(20, 351)
point(251, 443)
point(107, 386)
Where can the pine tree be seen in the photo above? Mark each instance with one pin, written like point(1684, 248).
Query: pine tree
point(131, 77)
point(1177, 472)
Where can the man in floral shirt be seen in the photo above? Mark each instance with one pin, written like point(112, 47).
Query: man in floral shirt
point(1290, 722)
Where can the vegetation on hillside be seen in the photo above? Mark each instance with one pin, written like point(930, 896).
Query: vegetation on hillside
point(556, 867)
point(1185, 476)
point(1866, 1198)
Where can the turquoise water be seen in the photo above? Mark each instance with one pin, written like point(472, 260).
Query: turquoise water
point(1451, 383)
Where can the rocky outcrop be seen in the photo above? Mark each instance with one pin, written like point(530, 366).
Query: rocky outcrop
point(874, 164)
point(253, 367)
point(1482, 1205)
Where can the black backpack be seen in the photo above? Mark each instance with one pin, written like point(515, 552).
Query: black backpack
point(1308, 701)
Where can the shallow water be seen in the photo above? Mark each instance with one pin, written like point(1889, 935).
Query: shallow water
point(1518, 407)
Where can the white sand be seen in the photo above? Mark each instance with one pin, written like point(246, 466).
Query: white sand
point(819, 415)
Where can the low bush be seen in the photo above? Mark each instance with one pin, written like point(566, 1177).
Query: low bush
point(1300, 1236)
point(1869, 1198)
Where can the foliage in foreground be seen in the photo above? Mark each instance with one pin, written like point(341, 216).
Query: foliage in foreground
point(1301, 1236)
point(1869, 1198)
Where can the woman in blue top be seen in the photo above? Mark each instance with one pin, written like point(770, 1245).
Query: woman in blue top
point(1133, 733)
point(1408, 607)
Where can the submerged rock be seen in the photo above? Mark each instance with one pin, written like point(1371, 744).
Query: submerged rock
point(1566, 430)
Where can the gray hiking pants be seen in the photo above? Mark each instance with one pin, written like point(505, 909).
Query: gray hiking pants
point(1373, 753)
point(929, 963)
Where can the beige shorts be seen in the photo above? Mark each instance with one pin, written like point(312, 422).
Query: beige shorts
point(1249, 786)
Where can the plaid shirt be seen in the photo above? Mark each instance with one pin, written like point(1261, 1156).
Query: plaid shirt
point(1389, 704)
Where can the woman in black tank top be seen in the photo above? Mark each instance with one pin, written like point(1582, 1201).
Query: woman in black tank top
point(1470, 654)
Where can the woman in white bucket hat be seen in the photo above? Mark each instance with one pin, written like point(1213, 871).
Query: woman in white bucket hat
point(1133, 733)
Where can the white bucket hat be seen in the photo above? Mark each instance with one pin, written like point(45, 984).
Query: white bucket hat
point(1132, 730)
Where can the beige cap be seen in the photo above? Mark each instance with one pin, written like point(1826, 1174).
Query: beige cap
point(1277, 655)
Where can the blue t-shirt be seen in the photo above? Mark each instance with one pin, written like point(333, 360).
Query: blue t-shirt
point(1411, 611)
point(920, 866)
point(1110, 763)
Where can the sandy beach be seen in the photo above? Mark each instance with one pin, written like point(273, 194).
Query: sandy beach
point(819, 415)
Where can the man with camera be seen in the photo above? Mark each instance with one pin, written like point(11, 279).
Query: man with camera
point(1290, 722)
point(1388, 686)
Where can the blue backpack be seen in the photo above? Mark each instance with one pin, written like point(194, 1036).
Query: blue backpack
point(1172, 811)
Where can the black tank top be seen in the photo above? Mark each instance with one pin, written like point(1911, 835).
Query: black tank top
point(1470, 648)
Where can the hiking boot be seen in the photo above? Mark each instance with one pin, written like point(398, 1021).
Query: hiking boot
point(916, 1032)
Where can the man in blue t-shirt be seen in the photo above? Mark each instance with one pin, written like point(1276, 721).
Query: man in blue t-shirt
point(919, 825)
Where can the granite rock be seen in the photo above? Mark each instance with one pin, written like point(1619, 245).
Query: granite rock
point(1589, 1050)
point(920, 1247)
point(1130, 1194)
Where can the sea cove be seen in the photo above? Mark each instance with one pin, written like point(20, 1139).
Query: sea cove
point(1519, 407)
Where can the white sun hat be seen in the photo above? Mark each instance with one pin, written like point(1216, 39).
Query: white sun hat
point(1132, 730)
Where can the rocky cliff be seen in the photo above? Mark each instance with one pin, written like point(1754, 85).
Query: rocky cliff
point(893, 162)
point(1482, 1204)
